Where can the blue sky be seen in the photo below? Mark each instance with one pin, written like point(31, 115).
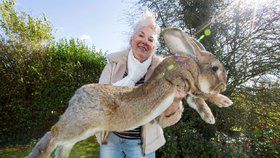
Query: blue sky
point(103, 23)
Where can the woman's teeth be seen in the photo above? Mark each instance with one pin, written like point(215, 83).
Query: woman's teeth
point(142, 49)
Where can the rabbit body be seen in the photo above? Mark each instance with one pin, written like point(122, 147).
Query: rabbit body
point(97, 107)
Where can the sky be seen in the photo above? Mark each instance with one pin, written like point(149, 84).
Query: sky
point(102, 23)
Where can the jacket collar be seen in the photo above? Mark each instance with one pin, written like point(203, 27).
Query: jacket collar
point(120, 58)
point(117, 57)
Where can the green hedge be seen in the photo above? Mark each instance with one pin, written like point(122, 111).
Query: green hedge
point(36, 85)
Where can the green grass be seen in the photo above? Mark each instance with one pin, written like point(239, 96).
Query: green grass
point(88, 148)
point(15, 152)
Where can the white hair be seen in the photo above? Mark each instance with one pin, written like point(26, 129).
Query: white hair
point(148, 19)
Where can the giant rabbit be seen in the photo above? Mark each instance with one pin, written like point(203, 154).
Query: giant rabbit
point(100, 107)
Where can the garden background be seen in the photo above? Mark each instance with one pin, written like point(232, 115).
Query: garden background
point(39, 74)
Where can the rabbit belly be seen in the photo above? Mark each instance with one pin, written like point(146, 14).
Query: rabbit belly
point(122, 122)
point(160, 109)
point(80, 137)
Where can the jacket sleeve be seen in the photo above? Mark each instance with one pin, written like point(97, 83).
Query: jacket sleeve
point(165, 121)
point(105, 77)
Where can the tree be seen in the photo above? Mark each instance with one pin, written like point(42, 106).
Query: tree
point(246, 38)
point(22, 28)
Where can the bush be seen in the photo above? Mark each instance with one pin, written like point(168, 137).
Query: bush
point(37, 84)
point(250, 128)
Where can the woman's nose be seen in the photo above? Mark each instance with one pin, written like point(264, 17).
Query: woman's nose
point(145, 41)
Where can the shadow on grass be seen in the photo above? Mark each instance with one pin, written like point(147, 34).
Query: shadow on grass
point(88, 148)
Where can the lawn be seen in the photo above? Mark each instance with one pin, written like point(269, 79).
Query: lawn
point(88, 148)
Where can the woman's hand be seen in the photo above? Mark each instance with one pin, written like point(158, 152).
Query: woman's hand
point(175, 106)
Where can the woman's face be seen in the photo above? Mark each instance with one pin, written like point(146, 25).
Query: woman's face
point(143, 43)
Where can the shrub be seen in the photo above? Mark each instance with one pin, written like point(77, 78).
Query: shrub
point(37, 84)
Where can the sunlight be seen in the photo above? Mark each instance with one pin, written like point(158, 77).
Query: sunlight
point(244, 5)
point(257, 3)
point(254, 5)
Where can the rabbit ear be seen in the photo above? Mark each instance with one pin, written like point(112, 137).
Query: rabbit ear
point(178, 41)
point(201, 49)
point(198, 44)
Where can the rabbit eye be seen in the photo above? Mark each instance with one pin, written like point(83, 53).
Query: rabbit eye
point(215, 68)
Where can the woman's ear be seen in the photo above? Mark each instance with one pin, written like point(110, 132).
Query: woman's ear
point(130, 41)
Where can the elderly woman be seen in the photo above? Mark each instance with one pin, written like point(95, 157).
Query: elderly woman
point(133, 67)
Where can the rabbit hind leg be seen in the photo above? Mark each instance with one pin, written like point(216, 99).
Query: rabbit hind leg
point(63, 151)
point(64, 148)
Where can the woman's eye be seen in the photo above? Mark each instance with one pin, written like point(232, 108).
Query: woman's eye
point(151, 40)
point(141, 35)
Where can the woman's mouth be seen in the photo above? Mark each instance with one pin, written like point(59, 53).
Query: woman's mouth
point(143, 49)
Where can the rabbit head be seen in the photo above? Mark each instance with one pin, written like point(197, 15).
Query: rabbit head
point(212, 75)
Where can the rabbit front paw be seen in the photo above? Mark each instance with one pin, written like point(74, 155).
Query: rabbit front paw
point(207, 116)
point(221, 100)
